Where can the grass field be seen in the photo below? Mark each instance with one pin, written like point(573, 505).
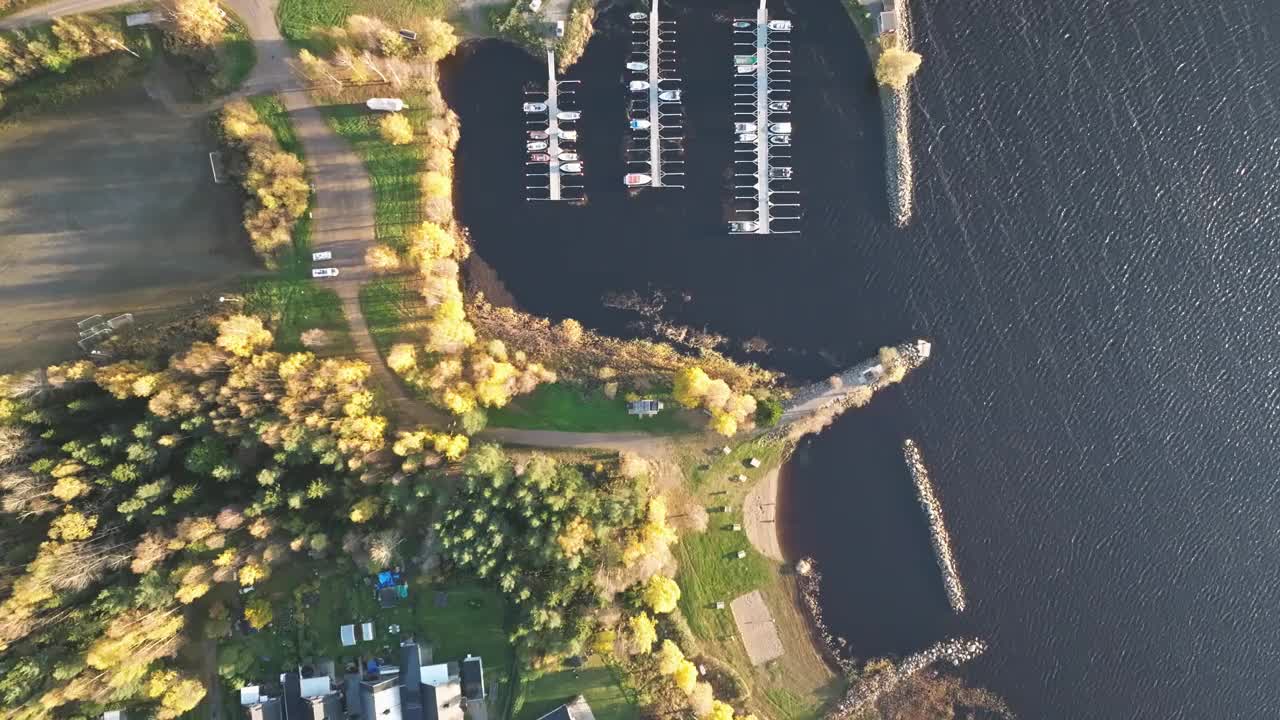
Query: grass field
point(236, 56)
point(271, 110)
point(393, 311)
point(710, 573)
point(293, 306)
point(393, 169)
point(564, 407)
point(299, 17)
point(595, 681)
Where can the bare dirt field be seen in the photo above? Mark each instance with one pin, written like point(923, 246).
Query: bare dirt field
point(108, 207)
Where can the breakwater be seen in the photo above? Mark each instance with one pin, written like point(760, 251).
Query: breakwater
point(896, 106)
point(865, 693)
point(813, 407)
point(937, 527)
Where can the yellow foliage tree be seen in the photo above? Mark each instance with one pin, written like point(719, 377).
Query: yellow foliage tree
point(243, 335)
point(691, 384)
point(724, 423)
point(575, 536)
point(258, 612)
point(685, 676)
point(720, 711)
point(382, 259)
point(72, 526)
point(395, 128)
point(895, 366)
point(896, 66)
point(402, 358)
point(251, 573)
point(669, 657)
point(661, 594)
point(364, 510)
point(198, 23)
point(641, 633)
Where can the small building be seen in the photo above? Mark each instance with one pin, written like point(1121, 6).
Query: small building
point(872, 374)
point(114, 715)
point(380, 699)
point(888, 22)
point(576, 709)
point(473, 678)
point(644, 408)
point(441, 692)
point(266, 708)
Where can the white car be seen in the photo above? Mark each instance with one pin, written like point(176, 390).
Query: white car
point(559, 28)
point(535, 107)
point(323, 255)
point(385, 104)
point(324, 272)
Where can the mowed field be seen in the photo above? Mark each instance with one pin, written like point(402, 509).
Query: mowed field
point(108, 207)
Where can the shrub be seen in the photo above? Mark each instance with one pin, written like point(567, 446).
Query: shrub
point(768, 412)
point(896, 66)
point(274, 179)
point(395, 128)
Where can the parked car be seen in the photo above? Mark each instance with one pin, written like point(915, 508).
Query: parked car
point(324, 272)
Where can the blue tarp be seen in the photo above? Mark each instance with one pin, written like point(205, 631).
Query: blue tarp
point(385, 579)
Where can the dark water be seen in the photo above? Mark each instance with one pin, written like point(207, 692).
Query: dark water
point(1095, 256)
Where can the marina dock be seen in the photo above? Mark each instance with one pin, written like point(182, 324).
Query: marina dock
point(762, 127)
point(552, 168)
point(656, 150)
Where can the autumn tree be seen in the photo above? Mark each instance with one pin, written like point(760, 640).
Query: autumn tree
point(661, 594)
point(395, 128)
point(896, 66)
point(641, 634)
point(198, 23)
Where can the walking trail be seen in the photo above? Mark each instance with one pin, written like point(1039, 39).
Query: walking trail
point(342, 212)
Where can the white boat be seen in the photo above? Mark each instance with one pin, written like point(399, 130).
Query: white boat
point(535, 107)
point(779, 173)
point(638, 66)
point(638, 16)
point(780, 25)
point(539, 158)
point(571, 168)
point(743, 226)
point(744, 59)
point(743, 24)
point(537, 145)
point(385, 104)
point(568, 134)
point(780, 105)
point(639, 124)
point(636, 179)
point(779, 139)
point(783, 128)
point(747, 137)
point(669, 96)
point(568, 115)
point(744, 127)
point(537, 135)
point(746, 69)
point(567, 157)
point(638, 85)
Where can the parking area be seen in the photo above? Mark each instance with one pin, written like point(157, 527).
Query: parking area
point(108, 207)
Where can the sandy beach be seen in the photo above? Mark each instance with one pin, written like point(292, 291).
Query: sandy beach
point(759, 510)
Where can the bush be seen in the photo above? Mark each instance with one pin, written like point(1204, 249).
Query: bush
point(896, 66)
point(274, 179)
point(768, 412)
point(577, 33)
point(55, 47)
point(395, 129)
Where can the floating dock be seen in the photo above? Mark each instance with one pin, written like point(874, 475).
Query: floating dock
point(547, 179)
point(937, 527)
point(658, 149)
point(762, 98)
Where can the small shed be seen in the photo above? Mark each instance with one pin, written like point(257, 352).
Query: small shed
point(644, 408)
point(754, 462)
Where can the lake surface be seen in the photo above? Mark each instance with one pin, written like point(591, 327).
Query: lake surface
point(1094, 255)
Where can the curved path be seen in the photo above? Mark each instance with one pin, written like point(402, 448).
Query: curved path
point(342, 215)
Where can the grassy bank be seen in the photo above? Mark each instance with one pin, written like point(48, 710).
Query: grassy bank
point(393, 310)
point(598, 683)
point(560, 406)
point(798, 684)
point(299, 18)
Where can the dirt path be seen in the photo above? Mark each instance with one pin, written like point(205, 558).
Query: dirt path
point(759, 516)
point(638, 443)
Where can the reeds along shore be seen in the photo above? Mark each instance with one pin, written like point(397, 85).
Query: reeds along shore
point(937, 527)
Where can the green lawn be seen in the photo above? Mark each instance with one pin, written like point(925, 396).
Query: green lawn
point(299, 17)
point(292, 306)
point(272, 112)
point(596, 682)
point(236, 56)
point(393, 169)
point(560, 406)
point(709, 573)
point(393, 310)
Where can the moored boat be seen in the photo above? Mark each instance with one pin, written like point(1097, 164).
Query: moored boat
point(535, 107)
point(567, 157)
point(540, 158)
point(568, 115)
point(636, 179)
point(536, 145)
point(639, 124)
point(743, 226)
point(571, 168)
point(638, 85)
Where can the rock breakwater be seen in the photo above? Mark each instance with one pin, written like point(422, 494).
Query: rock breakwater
point(937, 526)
